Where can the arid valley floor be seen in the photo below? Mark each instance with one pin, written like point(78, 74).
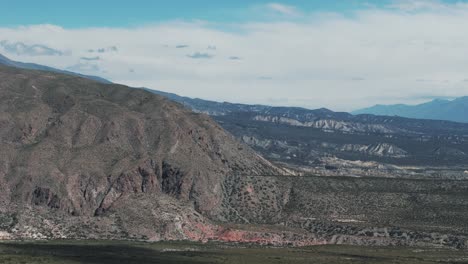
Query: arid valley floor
point(108, 252)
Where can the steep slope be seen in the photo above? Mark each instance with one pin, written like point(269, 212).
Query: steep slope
point(78, 148)
point(454, 110)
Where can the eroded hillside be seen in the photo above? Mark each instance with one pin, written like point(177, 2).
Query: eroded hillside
point(82, 159)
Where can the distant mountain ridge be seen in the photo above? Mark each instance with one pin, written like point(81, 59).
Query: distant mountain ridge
point(212, 108)
point(438, 109)
point(32, 66)
point(300, 136)
point(304, 117)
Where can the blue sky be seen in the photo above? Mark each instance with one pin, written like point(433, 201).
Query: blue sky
point(342, 55)
point(86, 13)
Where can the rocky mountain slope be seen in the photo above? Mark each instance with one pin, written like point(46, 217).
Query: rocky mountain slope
point(85, 149)
point(87, 160)
point(438, 109)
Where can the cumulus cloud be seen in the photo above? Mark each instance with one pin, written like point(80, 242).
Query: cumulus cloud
point(311, 62)
point(235, 58)
point(20, 48)
point(182, 46)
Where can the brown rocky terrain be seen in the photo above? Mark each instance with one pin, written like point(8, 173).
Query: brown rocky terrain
point(78, 149)
point(81, 159)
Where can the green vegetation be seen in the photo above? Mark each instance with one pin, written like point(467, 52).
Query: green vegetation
point(185, 252)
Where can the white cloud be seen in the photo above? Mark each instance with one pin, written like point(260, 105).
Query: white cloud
point(284, 9)
point(377, 55)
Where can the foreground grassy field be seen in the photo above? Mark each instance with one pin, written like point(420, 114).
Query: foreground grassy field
point(95, 252)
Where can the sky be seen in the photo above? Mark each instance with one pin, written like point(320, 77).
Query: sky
point(343, 55)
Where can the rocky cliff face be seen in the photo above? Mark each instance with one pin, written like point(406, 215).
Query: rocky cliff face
point(330, 125)
point(83, 148)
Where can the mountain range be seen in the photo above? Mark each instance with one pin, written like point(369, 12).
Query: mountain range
point(452, 110)
point(301, 137)
point(86, 159)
